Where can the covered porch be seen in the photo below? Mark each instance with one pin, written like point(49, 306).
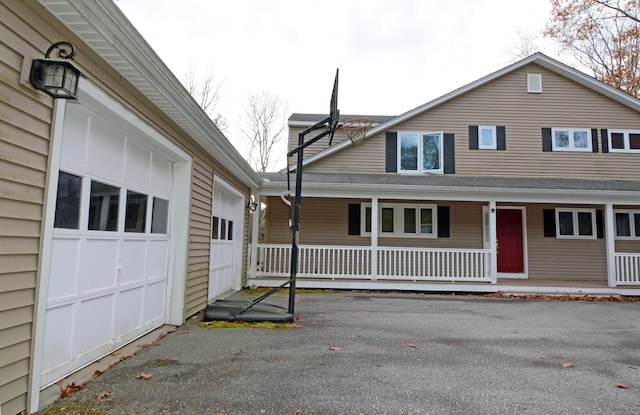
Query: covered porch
point(467, 260)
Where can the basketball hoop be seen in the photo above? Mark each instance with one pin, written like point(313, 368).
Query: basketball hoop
point(356, 129)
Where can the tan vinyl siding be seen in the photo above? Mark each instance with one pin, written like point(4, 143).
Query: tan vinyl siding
point(563, 258)
point(25, 125)
point(504, 102)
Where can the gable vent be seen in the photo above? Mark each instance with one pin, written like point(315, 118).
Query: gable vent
point(534, 83)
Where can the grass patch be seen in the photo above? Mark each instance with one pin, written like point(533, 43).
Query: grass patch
point(245, 325)
point(72, 408)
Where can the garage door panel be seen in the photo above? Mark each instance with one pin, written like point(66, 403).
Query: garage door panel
point(128, 312)
point(106, 153)
point(58, 335)
point(154, 301)
point(74, 146)
point(98, 265)
point(157, 258)
point(137, 166)
point(64, 268)
point(94, 323)
point(132, 260)
point(161, 173)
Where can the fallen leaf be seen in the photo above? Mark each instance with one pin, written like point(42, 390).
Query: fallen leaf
point(413, 345)
point(69, 389)
point(371, 349)
point(103, 394)
point(125, 356)
point(185, 332)
point(297, 412)
point(622, 385)
point(335, 348)
point(567, 365)
point(144, 376)
point(321, 315)
point(97, 373)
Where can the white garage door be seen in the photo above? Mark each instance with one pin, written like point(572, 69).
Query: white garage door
point(110, 249)
point(226, 223)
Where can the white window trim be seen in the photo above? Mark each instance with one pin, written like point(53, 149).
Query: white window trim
point(576, 235)
point(632, 230)
point(626, 148)
point(494, 137)
point(420, 152)
point(398, 220)
point(571, 141)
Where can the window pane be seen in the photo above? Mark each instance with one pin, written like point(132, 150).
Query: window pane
point(617, 141)
point(387, 220)
point(68, 201)
point(103, 207)
point(634, 141)
point(431, 152)
point(409, 152)
point(367, 219)
point(426, 221)
point(230, 231)
point(136, 212)
point(160, 216)
point(223, 229)
point(562, 139)
point(636, 223)
point(623, 227)
point(585, 223)
point(409, 220)
point(565, 223)
point(486, 137)
point(215, 227)
point(580, 139)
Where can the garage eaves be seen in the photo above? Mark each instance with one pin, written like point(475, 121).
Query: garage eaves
point(105, 29)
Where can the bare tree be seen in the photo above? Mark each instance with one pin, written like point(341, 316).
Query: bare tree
point(206, 93)
point(603, 36)
point(263, 127)
point(525, 45)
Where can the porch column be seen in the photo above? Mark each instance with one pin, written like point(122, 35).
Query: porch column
point(374, 238)
point(255, 234)
point(610, 244)
point(493, 242)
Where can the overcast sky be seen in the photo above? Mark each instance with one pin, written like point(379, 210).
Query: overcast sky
point(393, 55)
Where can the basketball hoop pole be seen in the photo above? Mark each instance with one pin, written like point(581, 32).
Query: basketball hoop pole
point(295, 229)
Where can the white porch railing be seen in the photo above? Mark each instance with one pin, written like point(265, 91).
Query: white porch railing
point(393, 263)
point(627, 269)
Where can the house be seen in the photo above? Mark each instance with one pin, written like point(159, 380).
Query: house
point(526, 180)
point(120, 211)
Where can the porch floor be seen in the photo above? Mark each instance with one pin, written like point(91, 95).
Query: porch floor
point(507, 286)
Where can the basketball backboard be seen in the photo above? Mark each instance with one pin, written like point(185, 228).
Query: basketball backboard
point(334, 112)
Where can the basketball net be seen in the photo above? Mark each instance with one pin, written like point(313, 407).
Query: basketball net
point(356, 130)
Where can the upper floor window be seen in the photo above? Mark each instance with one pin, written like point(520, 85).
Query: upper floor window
point(627, 224)
point(575, 223)
point(487, 137)
point(624, 140)
point(571, 139)
point(420, 152)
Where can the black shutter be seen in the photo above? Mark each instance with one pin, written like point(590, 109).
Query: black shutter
point(354, 219)
point(549, 218)
point(501, 136)
point(449, 153)
point(546, 140)
point(599, 224)
point(604, 135)
point(392, 152)
point(473, 137)
point(443, 221)
point(594, 140)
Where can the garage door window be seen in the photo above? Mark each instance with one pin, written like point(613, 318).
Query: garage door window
point(136, 214)
point(68, 201)
point(103, 207)
point(221, 229)
point(160, 215)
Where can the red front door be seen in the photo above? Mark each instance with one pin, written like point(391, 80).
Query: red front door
point(509, 238)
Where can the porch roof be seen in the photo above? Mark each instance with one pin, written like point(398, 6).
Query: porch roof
point(537, 189)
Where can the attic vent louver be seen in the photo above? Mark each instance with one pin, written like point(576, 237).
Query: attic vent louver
point(534, 83)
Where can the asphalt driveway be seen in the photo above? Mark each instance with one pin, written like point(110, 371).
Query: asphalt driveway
point(388, 353)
